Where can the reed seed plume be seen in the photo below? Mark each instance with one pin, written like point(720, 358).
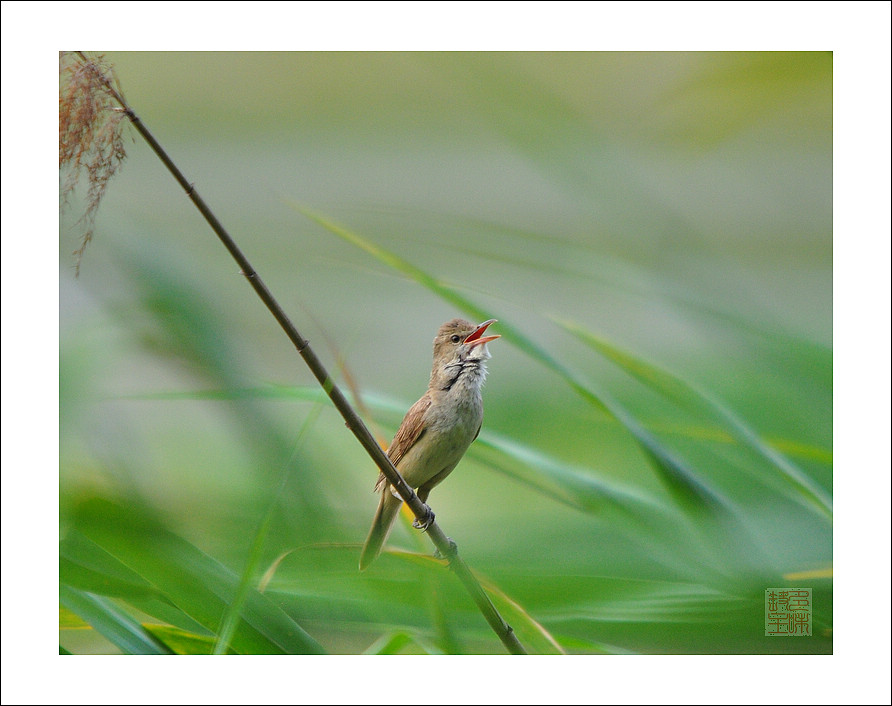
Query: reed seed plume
point(90, 140)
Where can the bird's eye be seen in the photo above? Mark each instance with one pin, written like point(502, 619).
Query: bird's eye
point(455, 338)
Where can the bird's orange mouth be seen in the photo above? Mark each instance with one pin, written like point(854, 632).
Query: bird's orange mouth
point(476, 337)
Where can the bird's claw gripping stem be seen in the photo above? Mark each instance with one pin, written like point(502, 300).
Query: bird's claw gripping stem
point(453, 547)
point(427, 522)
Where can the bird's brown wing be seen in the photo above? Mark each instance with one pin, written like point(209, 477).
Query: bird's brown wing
point(411, 430)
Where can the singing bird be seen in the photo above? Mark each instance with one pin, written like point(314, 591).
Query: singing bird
point(439, 428)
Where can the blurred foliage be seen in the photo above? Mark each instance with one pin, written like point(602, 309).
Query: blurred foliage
point(653, 232)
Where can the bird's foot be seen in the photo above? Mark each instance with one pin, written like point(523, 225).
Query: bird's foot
point(427, 522)
point(453, 548)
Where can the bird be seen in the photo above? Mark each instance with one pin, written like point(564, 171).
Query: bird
point(438, 428)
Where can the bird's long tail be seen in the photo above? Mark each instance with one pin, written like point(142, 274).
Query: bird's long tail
point(384, 517)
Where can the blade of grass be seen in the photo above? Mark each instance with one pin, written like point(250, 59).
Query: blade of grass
point(69, 620)
point(653, 526)
point(580, 488)
point(688, 396)
point(85, 566)
point(190, 579)
point(163, 610)
point(394, 644)
point(182, 641)
point(123, 631)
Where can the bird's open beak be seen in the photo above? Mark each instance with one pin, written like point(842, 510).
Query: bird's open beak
point(476, 337)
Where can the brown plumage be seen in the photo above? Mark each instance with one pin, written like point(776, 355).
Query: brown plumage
point(437, 430)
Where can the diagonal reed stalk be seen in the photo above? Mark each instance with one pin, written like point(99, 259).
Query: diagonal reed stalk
point(446, 547)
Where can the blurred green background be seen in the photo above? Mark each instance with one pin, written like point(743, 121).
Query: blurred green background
point(653, 232)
